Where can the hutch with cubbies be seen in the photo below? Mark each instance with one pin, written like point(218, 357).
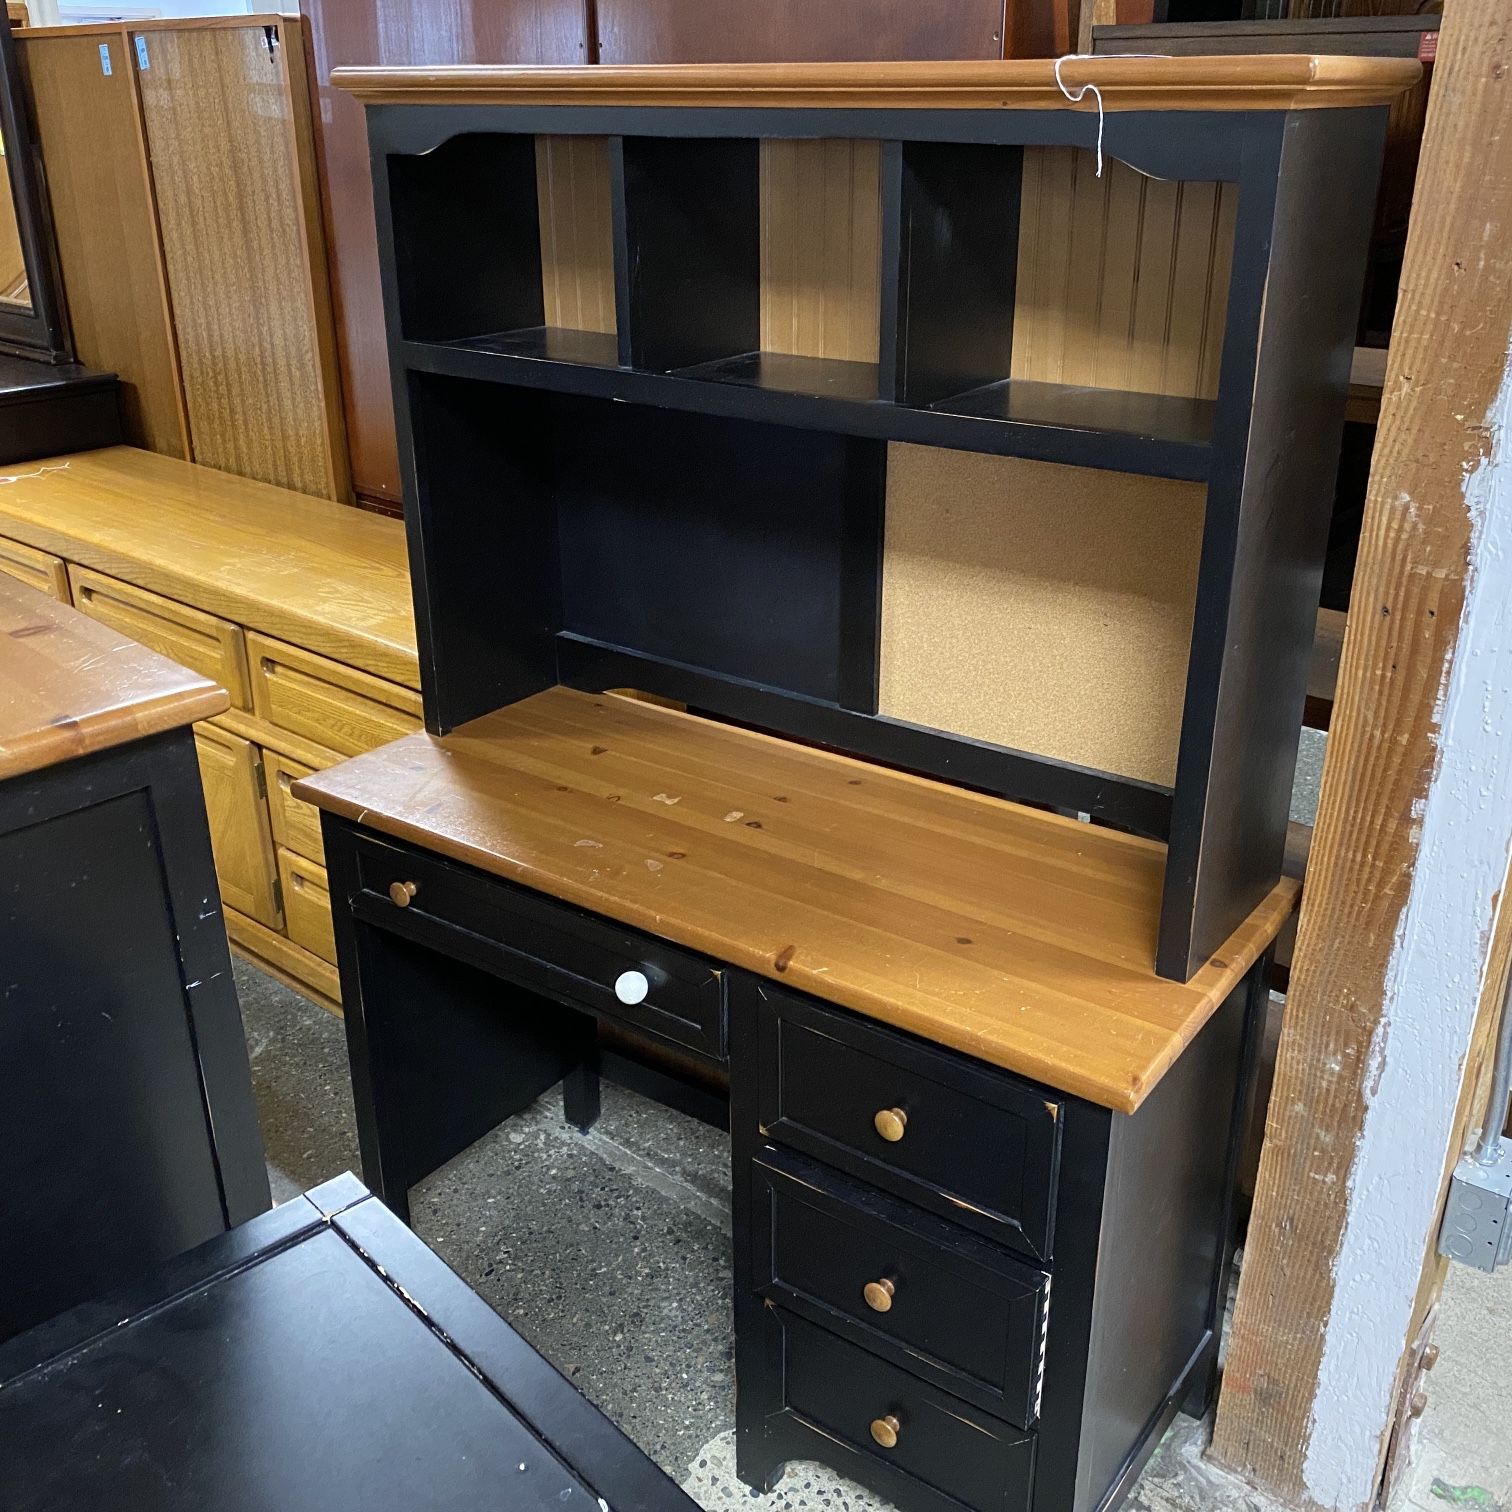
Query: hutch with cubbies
point(967, 454)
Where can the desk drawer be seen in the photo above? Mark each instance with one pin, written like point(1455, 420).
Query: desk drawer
point(975, 1145)
point(337, 707)
point(296, 824)
point(37, 569)
point(192, 638)
point(553, 947)
point(307, 905)
point(936, 1438)
point(926, 1295)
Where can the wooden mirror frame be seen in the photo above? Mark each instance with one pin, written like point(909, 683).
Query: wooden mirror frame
point(42, 331)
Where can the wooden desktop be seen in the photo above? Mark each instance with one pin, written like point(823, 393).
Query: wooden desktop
point(970, 504)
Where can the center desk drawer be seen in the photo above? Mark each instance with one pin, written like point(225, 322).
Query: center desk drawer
point(902, 1284)
point(976, 1145)
point(552, 947)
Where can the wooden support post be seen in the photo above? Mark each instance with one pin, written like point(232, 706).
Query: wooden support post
point(1401, 951)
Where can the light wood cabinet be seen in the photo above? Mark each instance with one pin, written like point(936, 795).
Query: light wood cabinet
point(241, 582)
point(240, 835)
point(37, 569)
point(180, 161)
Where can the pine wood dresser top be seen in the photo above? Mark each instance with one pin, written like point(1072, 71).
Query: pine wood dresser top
point(1278, 81)
point(1024, 939)
point(70, 685)
point(323, 575)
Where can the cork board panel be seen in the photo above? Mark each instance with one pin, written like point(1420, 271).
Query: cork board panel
point(1040, 607)
point(1122, 280)
point(821, 238)
point(577, 242)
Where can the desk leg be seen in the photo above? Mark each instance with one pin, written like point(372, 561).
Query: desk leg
point(580, 1092)
point(441, 1052)
point(1204, 1388)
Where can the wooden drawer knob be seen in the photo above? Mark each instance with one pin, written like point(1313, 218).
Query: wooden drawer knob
point(885, 1431)
point(890, 1123)
point(401, 893)
point(879, 1294)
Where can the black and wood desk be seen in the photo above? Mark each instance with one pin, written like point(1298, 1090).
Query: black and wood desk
point(954, 1076)
point(127, 1128)
point(317, 1359)
point(912, 413)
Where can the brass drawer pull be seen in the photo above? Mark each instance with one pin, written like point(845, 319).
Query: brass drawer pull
point(885, 1431)
point(890, 1123)
point(402, 893)
point(879, 1294)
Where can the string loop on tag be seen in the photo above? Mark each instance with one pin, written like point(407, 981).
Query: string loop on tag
point(1082, 90)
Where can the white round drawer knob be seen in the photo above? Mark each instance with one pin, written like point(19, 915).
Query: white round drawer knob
point(631, 987)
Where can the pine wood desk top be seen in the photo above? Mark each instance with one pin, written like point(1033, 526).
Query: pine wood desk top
point(1276, 81)
point(323, 575)
point(70, 685)
point(1024, 939)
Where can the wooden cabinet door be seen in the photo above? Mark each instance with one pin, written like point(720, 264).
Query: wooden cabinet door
point(85, 105)
point(229, 135)
point(231, 770)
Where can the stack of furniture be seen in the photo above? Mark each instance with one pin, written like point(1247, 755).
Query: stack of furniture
point(318, 1359)
point(300, 608)
point(906, 413)
point(127, 1130)
point(186, 197)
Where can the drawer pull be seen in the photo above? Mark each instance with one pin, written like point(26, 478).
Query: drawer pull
point(879, 1294)
point(631, 987)
point(885, 1431)
point(401, 894)
point(890, 1123)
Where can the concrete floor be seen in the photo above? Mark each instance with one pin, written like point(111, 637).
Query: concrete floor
point(610, 1253)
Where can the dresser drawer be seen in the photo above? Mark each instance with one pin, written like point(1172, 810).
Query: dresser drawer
point(337, 707)
point(551, 946)
point(296, 824)
point(307, 905)
point(892, 1417)
point(975, 1145)
point(192, 638)
point(928, 1296)
point(37, 569)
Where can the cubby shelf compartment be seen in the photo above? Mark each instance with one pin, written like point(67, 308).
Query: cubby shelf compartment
point(837, 336)
point(1043, 422)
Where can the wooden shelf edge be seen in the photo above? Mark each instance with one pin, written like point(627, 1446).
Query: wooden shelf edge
point(1282, 81)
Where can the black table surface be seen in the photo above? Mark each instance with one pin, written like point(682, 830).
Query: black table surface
point(318, 1357)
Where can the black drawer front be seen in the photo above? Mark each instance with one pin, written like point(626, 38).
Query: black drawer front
point(979, 1147)
point(957, 1310)
point(550, 946)
point(942, 1441)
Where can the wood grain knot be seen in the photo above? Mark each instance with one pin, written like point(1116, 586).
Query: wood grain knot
point(963, 940)
point(753, 824)
point(597, 750)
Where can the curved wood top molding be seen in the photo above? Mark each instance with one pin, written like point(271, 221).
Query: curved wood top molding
point(1022, 938)
point(70, 685)
point(1282, 81)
